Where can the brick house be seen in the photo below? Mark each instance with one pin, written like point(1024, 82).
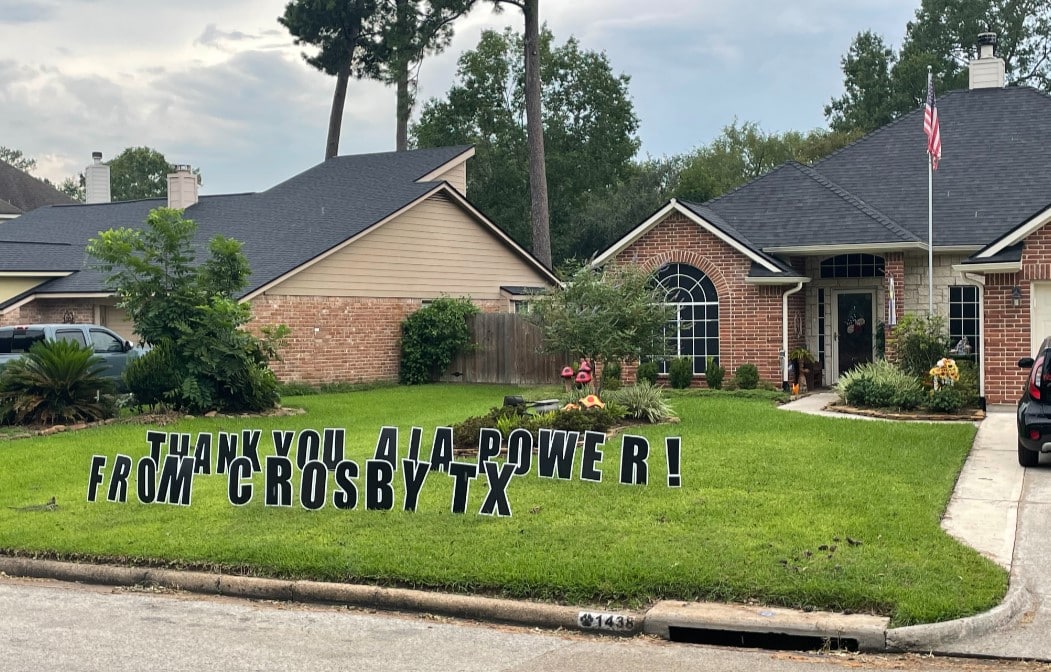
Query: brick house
point(828, 256)
point(340, 253)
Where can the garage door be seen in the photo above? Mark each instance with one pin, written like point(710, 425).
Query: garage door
point(117, 320)
point(1041, 313)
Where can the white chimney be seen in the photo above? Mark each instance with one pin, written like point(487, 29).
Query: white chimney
point(987, 71)
point(182, 187)
point(96, 181)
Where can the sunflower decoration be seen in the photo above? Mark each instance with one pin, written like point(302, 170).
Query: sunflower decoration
point(945, 372)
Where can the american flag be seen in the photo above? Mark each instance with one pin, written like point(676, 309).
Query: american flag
point(930, 125)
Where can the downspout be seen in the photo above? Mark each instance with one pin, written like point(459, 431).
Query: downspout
point(784, 334)
point(979, 280)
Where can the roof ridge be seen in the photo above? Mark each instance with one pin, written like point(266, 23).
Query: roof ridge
point(856, 201)
point(35, 242)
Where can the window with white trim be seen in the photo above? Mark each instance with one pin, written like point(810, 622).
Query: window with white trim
point(963, 316)
point(694, 332)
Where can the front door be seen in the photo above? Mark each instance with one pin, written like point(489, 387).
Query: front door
point(853, 329)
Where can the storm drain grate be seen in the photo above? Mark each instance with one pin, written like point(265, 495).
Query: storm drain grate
point(760, 640)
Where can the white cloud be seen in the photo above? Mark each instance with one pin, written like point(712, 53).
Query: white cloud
point(221, 85)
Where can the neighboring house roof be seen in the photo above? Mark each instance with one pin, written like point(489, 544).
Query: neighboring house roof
point(282, 228)
point(20, 192)
point(993, 185)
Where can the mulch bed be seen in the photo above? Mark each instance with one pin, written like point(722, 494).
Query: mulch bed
point(966, 415)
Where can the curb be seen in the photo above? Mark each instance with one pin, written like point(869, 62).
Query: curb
point(870, 632)
point(531, 614)
point(928, 637)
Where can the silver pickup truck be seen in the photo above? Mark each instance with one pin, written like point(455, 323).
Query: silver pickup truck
point(114, 351)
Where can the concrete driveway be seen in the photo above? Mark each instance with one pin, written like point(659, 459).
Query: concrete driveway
point(995, 468)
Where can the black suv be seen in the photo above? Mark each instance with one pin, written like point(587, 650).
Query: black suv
point(1034, 408)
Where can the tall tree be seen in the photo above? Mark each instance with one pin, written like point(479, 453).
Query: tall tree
point(588, 119)
point(342, 31)
point(538, 201)
point(415, 28)
point(606, 215)
point(139, 172)
point(867, 103)
point(943, 36)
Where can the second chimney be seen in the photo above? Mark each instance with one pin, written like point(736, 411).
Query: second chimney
point(182, 187)
point(96, 181)
point(987, 71)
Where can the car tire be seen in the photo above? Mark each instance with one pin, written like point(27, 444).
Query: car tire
point(1026, 457)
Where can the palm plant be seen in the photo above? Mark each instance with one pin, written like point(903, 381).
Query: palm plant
point(53, 383)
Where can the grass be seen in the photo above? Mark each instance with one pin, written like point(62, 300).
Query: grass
point(782, 508)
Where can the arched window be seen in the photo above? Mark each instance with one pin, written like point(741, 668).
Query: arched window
point(694, 332)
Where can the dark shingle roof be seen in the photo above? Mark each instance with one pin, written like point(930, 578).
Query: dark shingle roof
point(994, 175)
point(21, 192)
point(281, 228)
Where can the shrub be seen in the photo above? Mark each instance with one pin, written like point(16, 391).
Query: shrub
point(747, 377)
point(680, 372)
point(432, 337)
point(152, 378)
point(644, 401)
point(647, 372)
point(947, 399)
point(714, 373)
point(611, 376)
point(53, 383)
point(967, 385)
point(921, 341)
point(880, 384)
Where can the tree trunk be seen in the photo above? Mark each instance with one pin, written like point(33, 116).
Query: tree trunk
point(404, 105)
point(339, 98)
point(535, 136)
point(335, 119)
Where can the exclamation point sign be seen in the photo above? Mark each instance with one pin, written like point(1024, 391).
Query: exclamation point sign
point(672, 445)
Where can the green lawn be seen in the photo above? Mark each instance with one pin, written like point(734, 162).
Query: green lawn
point(779, 507)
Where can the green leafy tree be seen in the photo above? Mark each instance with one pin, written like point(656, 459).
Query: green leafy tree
point(432, 337)
point(607, 214)
point(608, 315)
point(74, 187)
point(139, 172)
point(868, 101)
point(744, 152)
point(55, 382)
point(189, 310)
point(16, 158)
point(343, 32)
point(590, 128)
point(943, 36)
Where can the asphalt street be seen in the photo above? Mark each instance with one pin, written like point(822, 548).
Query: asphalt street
point(47, 625)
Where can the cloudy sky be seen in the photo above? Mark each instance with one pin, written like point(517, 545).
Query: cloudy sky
point(218, 83)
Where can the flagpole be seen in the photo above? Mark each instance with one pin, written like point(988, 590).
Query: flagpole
point(930, 221)
point(930, 235)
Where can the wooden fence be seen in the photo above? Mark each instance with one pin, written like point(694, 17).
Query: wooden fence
point(507, 351)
